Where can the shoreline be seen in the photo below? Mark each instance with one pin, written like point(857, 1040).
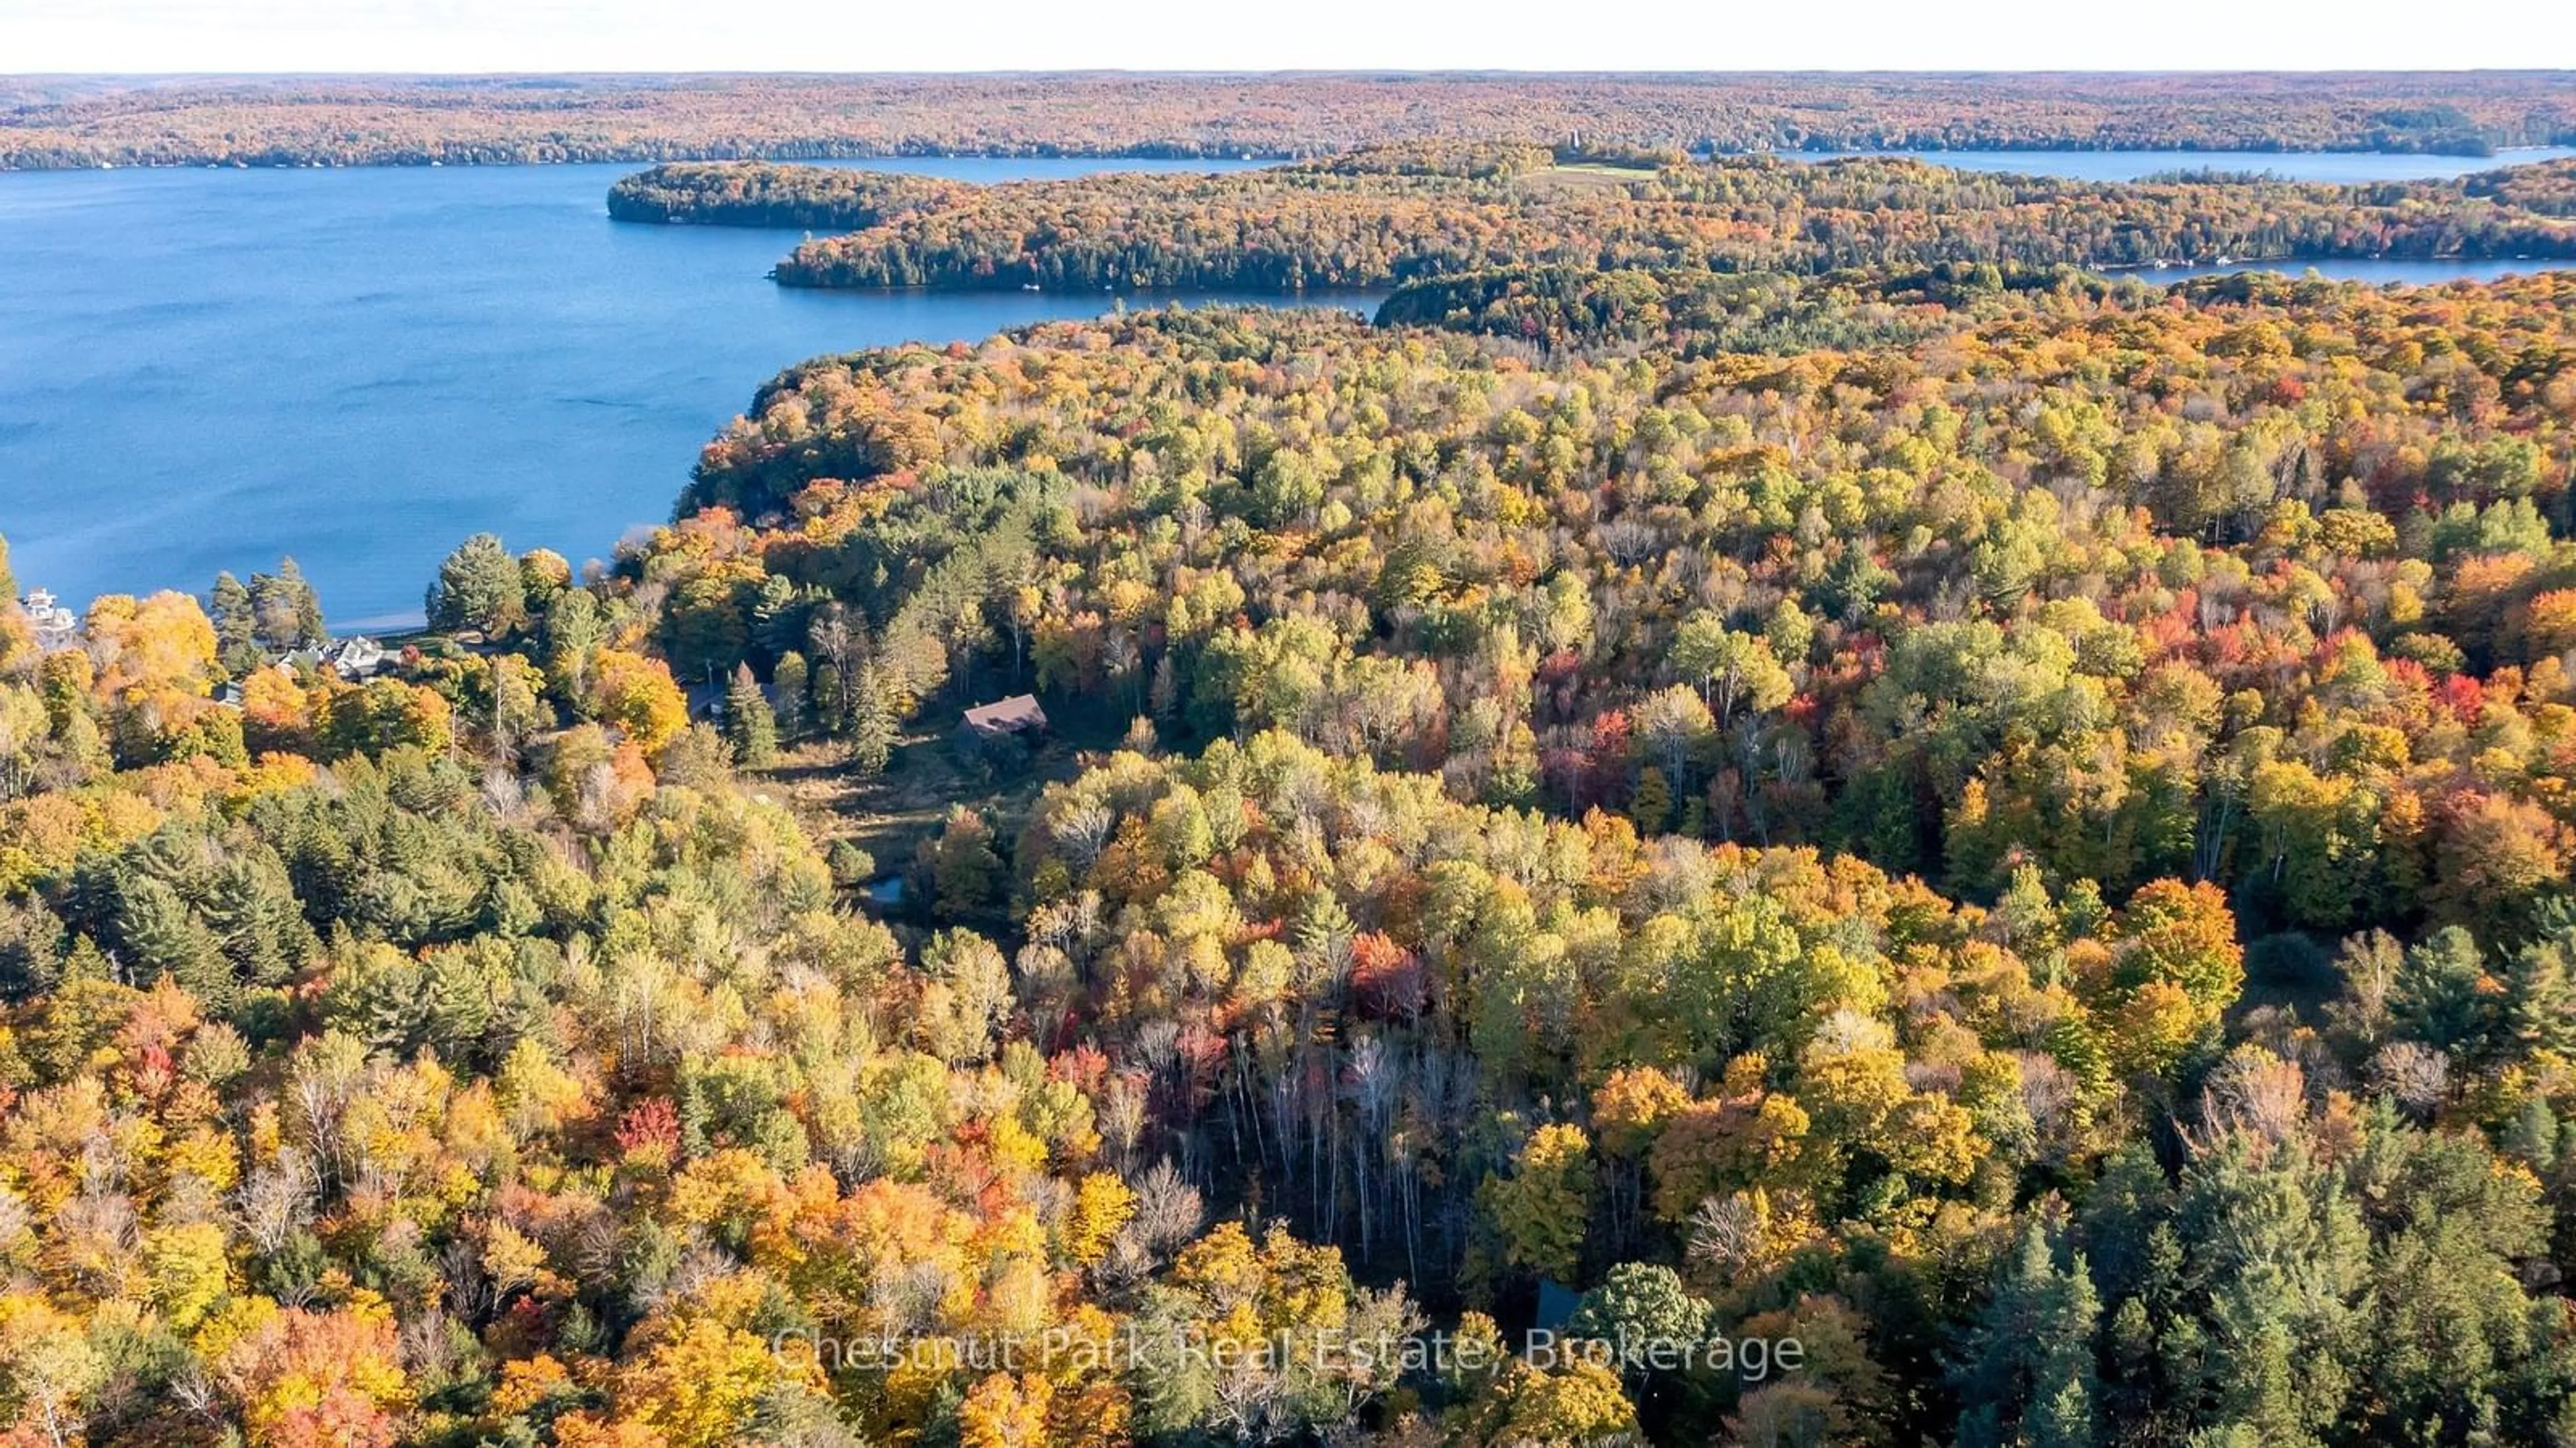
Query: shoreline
point(2502, 156)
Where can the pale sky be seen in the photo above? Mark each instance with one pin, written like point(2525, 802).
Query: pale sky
point(41, 36)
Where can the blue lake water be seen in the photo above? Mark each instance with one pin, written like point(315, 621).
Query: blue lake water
point(2378, 273)
point(203, 370)
point(2336, 166)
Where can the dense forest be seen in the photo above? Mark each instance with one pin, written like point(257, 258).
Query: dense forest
point(1985, 850)
point(89, 121)
point(1399, 214)
point(788, 197)
point(2548, 187)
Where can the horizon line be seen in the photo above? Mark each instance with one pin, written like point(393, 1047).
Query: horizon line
point(1319, 72)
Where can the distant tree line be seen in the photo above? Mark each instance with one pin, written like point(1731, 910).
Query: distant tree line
point(374, 121)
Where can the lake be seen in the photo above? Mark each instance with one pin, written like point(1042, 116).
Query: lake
point(2335, 166)
point(203, 370)
point(2377, 273)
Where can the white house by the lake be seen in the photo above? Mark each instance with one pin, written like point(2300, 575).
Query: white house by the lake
point(56, 627)
point(355, 657)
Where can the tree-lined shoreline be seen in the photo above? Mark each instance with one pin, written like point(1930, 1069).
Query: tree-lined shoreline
point(1407, 214)
point(64, 122)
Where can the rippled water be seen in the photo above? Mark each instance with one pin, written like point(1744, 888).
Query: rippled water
point(2338, 166)
point(201, 370)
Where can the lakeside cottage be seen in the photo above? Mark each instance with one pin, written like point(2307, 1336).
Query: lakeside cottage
point(355, 657)
point(56, 627)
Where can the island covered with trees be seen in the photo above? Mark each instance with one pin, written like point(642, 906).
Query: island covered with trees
point(307, 120)
point(2008, 829)
point(1413, 213)
point(789, 197)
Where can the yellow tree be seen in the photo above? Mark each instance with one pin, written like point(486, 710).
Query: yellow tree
point(701, 1370)
point(1005, 1410)
point(1545, 1204)
point(1575, 1405)
point(152, 649)
point(638, 695)
point(47, 1369)
point(306, 1377)
point(1101, 1206)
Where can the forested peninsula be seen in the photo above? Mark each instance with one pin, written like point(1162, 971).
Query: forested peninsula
point(1403, 214)
point(306, 120)
point(2007, 830)
point(786, 197)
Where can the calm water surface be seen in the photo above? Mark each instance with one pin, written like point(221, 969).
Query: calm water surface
point(2337, 166)
point(201, 370)
point(2378, 273)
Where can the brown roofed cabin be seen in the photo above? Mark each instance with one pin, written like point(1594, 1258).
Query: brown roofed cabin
point(1018, 714)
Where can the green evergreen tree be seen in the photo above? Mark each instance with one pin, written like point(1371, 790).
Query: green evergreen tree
point(2540, 1005)
point(966, 874)
point(2441, 996)
point(157, 935)
point(478, 587)
point(285, 611)
point(831, 710)
point(1641, 1307)
point(788, 681)
point(251, 907)
point(2027, 1375)
point(236, 625)
point(778, 616)
point(749, 725)
point(31, 949)
point(305, 600)
point(872, 728)
point(2277, 1250)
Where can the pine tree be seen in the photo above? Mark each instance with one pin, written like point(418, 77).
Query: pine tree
point(831, 706)
point(788, 682)
point(2028, 1373)
point(872, 732)
point(306, 602)
point(749, 725)
point(2540, 1006)
point(285, 612)
point(236, 625)
point(252, 910)
point(159, 935)
point(478, 587)
point(778, 621)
